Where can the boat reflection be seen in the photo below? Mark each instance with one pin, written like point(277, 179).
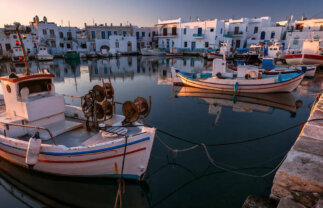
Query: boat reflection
point(44, 190)
point(244, 102)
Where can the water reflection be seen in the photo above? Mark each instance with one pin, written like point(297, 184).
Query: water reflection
point(36, 189)
point(175, 179)
point(244, 102)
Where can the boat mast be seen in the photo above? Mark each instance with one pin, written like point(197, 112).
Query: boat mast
point(17, 25)
point(69, 29)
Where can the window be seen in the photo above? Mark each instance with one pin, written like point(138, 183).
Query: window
point(83, 45)
point(61, 45)
point(149, 34)
point(115, 33)
point(212, 30)
point(173, 30)
point(8, 47)
point(14, 36)
point(246, 29)
point(206, 44)
point(185, 44)
point(109, 34)
point(255, 30)
point(221, 30)
point(69, 35)
point(154, 33)
point(52, 33)
point(295, 42)
point(173, 43)
point(199, 31)
point(117, 44)
point(68, 45)
point(238, 44)
point(93, 36)
point(124, 33)
point(61, 35)
point(236, 30)
point(272, 35)
point(262, 35)
point(143, 34)
point(44, 32)
point(102, 34)
point(165, 32)
point(184, 31)
point(53, 44)
point(137, 35)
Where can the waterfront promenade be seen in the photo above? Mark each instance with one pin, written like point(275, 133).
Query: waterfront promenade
point(300, 177)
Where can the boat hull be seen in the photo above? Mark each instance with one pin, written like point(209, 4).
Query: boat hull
point(304, 59)
point(285, 86)
point(100, 160)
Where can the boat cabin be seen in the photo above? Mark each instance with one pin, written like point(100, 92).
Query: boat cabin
point(30, 100)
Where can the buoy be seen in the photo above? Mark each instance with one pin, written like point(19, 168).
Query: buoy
point(33, 150)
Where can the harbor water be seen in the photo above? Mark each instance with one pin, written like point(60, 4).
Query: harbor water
point(179, 174)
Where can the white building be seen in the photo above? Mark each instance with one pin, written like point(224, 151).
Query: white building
point(195, 36)
point(146, 36)
point(302, 30)
point(246, 31)
point(9, 40)
point(58, 39)
point(112, 38)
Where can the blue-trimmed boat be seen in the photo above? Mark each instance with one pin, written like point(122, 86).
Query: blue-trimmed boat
point(38, 131)
point(244, 79)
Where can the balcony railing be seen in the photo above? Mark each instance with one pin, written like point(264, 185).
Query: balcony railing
point(166, 35)
point(198, 35)
point(236, 33)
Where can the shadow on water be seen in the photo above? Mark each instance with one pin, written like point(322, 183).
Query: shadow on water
point(174, 179)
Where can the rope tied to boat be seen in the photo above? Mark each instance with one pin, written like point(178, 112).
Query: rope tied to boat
point(121, 182)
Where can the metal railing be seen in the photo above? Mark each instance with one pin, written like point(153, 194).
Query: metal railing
point(33, 127)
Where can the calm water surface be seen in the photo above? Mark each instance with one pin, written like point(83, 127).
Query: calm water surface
point(174, 179)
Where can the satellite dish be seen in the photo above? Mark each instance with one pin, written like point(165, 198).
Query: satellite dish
point(107, 108)
point(109, 91)
point(142, 105)
point(99, 93)
point(130, 111)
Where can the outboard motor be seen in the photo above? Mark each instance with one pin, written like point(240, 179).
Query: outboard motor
point(33, 150)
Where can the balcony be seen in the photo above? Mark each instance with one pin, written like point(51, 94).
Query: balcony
point(198, 35)
point(168, 35)
point(239, 33)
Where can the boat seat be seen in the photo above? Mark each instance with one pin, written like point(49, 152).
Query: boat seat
point(58, 128)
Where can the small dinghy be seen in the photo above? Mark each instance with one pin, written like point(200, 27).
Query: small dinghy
point(244, 79)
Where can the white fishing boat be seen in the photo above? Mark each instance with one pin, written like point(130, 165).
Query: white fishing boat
point(61, 145)
point(311, 53)
point(43, 54)
point(152, 52)
point(276, 51)
point(17, 56)
point(245, 79)
point(38, 131)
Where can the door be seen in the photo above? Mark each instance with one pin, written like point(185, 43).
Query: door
point(193, 45)
point(199, 31)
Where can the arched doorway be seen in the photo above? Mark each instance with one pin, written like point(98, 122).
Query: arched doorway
point(104, 49)
point(129, 46)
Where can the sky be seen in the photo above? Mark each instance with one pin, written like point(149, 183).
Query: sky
point(147, 12)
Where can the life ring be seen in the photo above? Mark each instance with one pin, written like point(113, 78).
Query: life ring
point(252, 74)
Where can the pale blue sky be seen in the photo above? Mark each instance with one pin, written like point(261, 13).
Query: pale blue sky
point(146, 12)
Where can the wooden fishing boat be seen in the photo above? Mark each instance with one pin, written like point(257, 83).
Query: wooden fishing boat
point(243, 80)
point(38, 131)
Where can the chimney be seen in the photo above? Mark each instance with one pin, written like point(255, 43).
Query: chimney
point(120, 24)
point(105, 24)
point(84, 24)
point(111, 25)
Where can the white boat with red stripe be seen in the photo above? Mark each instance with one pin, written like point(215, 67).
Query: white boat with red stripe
point(243, 80)
point(35, 112)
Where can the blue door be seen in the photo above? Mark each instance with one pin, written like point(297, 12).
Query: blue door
point(262, 35)
point(193, 46)
point(199, 31)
